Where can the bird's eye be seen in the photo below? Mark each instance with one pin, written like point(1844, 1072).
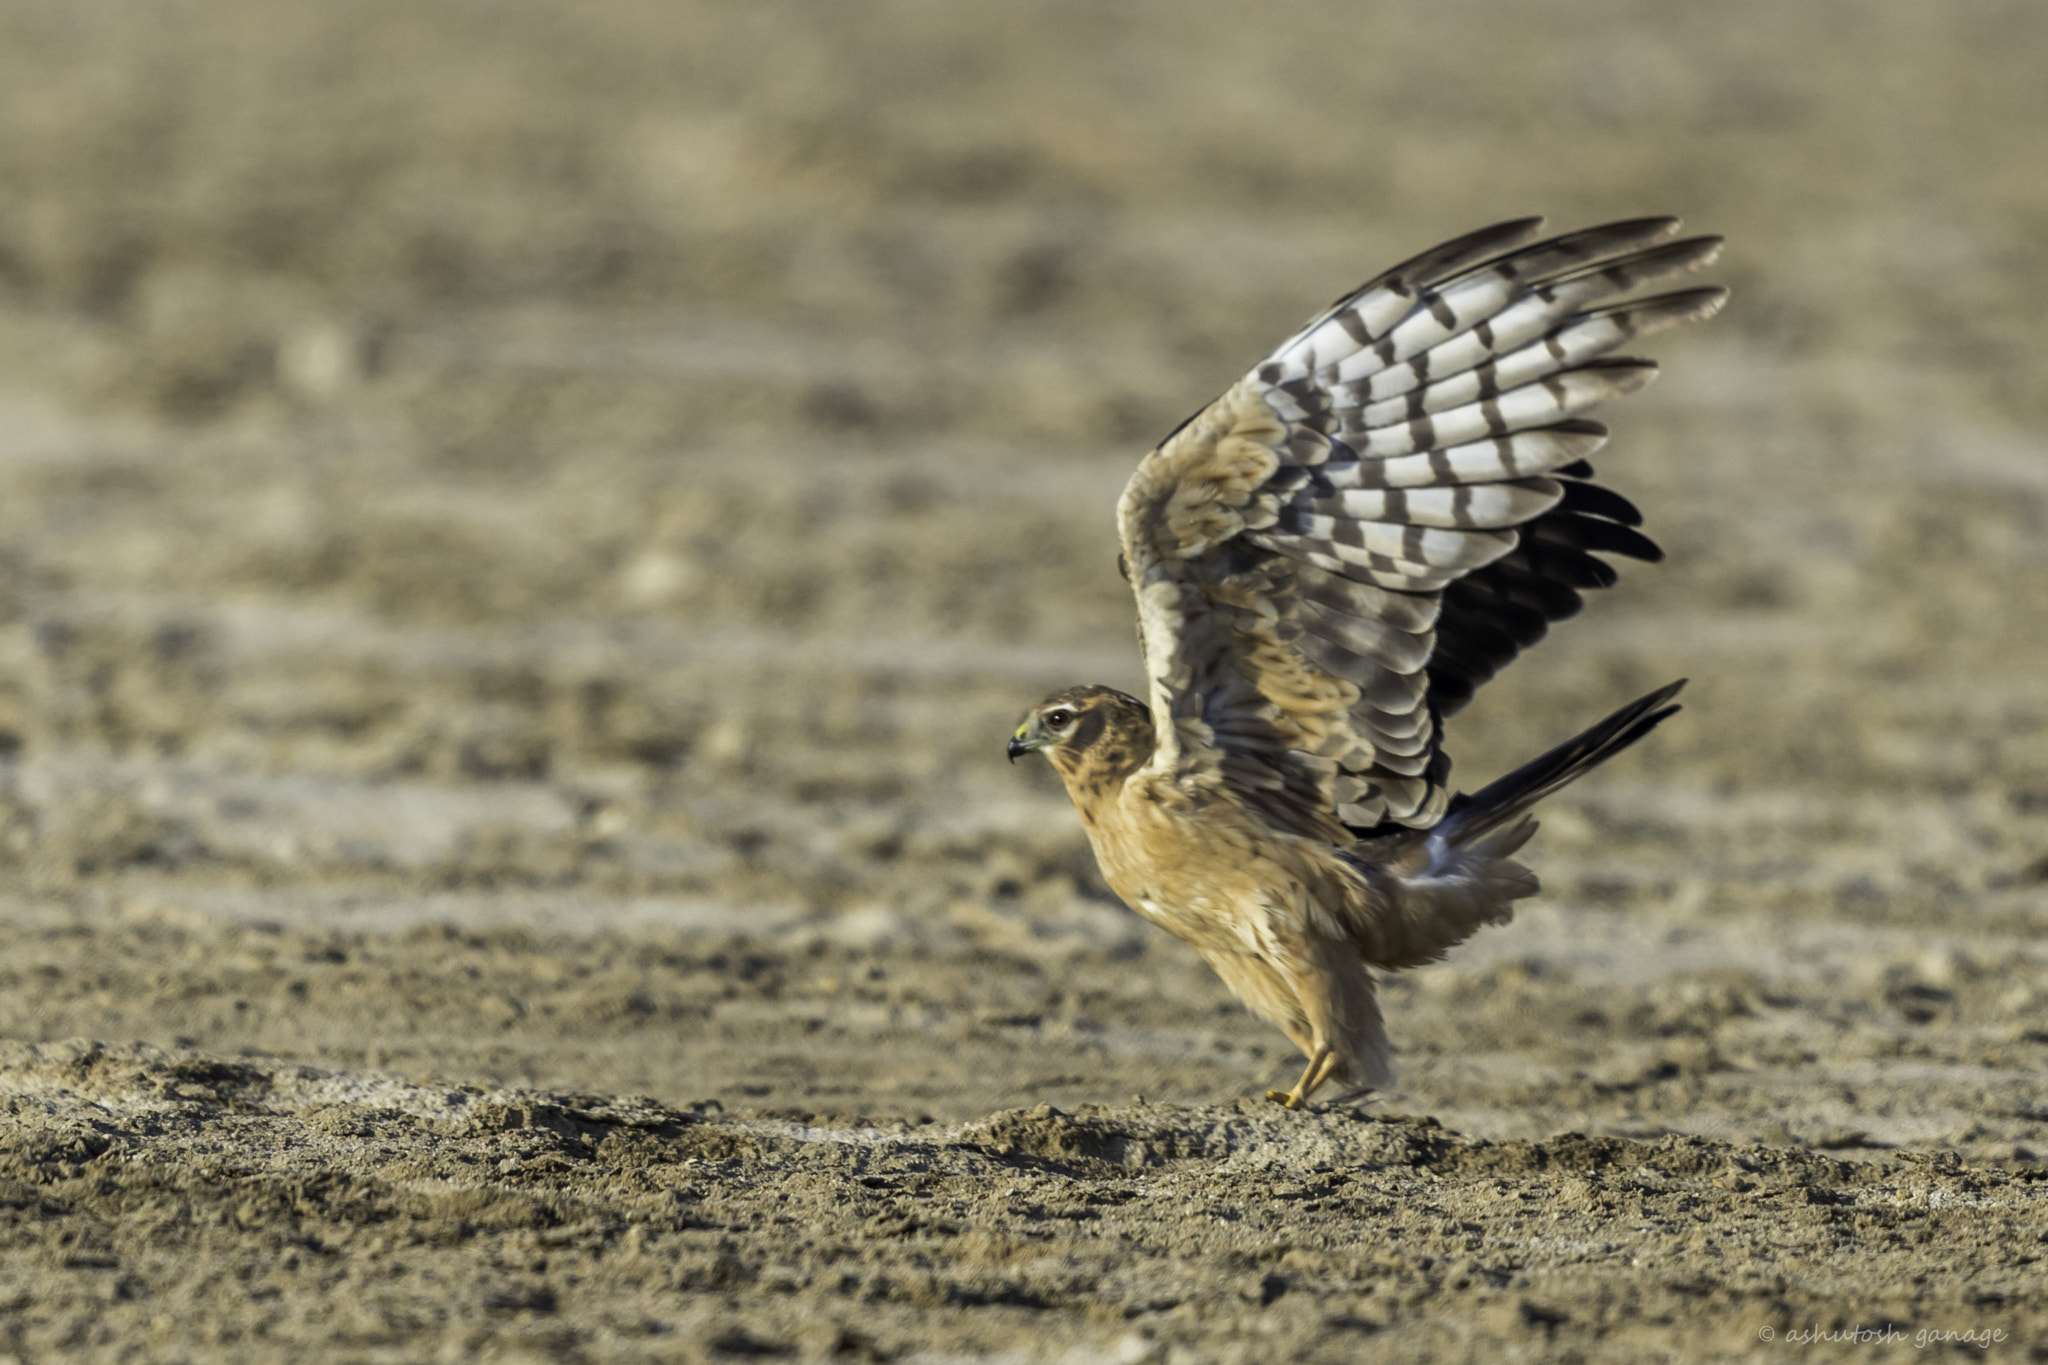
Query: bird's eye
point(1058, 719)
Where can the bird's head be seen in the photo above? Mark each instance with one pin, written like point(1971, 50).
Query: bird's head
point(1087, 733)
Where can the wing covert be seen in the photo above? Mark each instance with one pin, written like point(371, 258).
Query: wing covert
point(1336, 554)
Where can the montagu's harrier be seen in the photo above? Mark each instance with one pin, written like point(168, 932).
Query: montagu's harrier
point(1328, 560)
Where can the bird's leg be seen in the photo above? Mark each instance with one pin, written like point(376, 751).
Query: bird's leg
point(1321, 1063)
point(1322, 1074)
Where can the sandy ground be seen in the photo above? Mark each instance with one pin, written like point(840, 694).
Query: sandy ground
point(523, 531)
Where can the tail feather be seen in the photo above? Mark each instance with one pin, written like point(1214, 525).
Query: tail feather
point(1436, 891)
point(1506, 800)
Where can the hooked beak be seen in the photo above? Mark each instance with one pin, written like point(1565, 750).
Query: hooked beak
point(1023, 743)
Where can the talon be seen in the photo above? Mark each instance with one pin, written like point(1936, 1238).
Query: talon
point(1320, 1064)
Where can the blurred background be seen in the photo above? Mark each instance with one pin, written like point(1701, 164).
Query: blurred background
point(631, 462)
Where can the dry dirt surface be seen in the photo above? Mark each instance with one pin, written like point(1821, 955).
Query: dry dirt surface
point(524, 530)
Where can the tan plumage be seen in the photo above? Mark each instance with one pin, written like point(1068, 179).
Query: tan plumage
point(1327, 561)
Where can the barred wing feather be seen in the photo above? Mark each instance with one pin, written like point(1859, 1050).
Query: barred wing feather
point(1333, 556)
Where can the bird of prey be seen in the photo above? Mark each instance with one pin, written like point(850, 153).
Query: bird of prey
point(1327, 561)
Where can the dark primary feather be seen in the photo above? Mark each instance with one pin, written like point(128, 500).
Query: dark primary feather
point(1495, 612)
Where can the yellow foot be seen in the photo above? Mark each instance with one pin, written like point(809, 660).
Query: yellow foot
point(1287, 1099)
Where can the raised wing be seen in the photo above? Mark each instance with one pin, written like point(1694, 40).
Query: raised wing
point(1331, 557)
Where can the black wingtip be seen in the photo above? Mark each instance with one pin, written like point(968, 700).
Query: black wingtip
point(1460, 253)
point(1665, 224)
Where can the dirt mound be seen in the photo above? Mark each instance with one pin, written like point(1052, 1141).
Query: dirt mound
point(370, 1213)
